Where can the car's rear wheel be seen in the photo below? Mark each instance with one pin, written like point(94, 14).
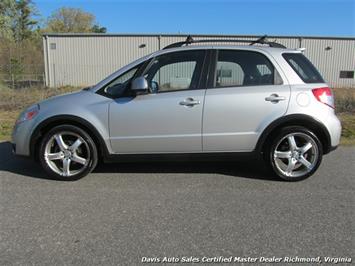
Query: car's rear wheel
point(295, 153)
point(67, 153)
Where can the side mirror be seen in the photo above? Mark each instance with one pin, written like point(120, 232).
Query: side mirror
point(139, 84)
point(116, 90)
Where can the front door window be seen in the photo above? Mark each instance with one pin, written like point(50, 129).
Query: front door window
point(175, 71)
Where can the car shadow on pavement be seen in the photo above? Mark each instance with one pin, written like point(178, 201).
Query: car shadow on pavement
point(252, 169)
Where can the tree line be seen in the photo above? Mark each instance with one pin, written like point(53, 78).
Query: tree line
point(21, 29)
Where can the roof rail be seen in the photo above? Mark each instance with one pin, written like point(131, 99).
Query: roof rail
point(189, 40)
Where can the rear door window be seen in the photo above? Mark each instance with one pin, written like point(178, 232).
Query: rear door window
point(303, 67)
point(229, 74)
point(236, 68)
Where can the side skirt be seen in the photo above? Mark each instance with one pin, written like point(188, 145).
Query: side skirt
point(181, 157)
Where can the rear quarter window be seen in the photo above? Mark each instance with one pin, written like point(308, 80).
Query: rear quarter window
point(303, 67)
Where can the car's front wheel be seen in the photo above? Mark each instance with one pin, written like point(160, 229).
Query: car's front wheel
point(295, 153)
point(67, 153)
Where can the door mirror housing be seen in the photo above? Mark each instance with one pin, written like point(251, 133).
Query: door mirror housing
point(139, 84)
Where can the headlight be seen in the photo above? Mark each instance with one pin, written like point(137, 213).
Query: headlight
point(28, 114)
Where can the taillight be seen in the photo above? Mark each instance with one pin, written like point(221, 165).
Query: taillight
point(324, 95)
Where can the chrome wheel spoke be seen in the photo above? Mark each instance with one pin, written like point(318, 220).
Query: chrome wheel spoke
point(306, 147)
point(66, 167)
point(303, 161)
point(283, 154)
point(75, 145)
point(76, 158)
point(291, 165)
point(296, 161)
point(67, 153)
point(60, 142)
point(292, 143)
point(54, 156)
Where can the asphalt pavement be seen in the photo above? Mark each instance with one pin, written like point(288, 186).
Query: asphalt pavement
point(125, 213)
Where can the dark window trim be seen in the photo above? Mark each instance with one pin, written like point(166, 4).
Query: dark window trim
point(242, 86)
point(160, 92)
point(142, 68)
point(203, 83)
point(213, 71)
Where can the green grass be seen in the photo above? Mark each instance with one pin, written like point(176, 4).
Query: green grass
point(15, 100)
point(345, 108)
point(12, 102)
point(7, 120)
point(348, 128)
point(345, 100)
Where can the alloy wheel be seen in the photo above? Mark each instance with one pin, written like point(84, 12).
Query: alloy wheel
point(296, 155)
point(67, 153)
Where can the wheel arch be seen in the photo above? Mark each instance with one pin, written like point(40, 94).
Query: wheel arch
point(306, 121)
point(51, 122)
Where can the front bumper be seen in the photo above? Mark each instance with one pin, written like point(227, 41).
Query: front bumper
point(21, 137)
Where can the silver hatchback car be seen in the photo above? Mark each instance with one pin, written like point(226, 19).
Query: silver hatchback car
point(190, 100)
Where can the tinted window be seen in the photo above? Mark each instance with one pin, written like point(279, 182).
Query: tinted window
point(303, 67)
point(175, 71)
point(229, 74)
point(244, 68)
point(119, 85)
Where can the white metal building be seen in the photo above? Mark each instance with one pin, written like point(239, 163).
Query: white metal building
point(85, 59)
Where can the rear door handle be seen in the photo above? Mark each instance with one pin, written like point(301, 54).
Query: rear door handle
point(189, 102)
point(274, 98)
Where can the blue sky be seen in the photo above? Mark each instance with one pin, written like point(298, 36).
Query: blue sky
point(272, 17)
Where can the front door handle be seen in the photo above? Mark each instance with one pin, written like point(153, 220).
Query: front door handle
point(274, 98)
point(189, 102)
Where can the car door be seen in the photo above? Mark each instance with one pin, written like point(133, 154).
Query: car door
point(245, 94)
point(168, 118)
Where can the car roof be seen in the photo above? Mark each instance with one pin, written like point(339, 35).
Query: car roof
point(228, 47)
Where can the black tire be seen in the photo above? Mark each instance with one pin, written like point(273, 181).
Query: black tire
point(83, 159)
point(279, 148)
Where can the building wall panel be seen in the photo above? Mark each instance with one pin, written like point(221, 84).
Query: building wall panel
point(331, 57)
point(82, 61)
point(85, 59)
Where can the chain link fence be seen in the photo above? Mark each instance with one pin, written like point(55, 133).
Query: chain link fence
point(22, 76)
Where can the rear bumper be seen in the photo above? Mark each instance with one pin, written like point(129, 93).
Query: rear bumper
point(333, 148)
point(334, 128)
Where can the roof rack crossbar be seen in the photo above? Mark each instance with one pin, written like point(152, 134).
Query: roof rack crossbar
point(189, 40)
